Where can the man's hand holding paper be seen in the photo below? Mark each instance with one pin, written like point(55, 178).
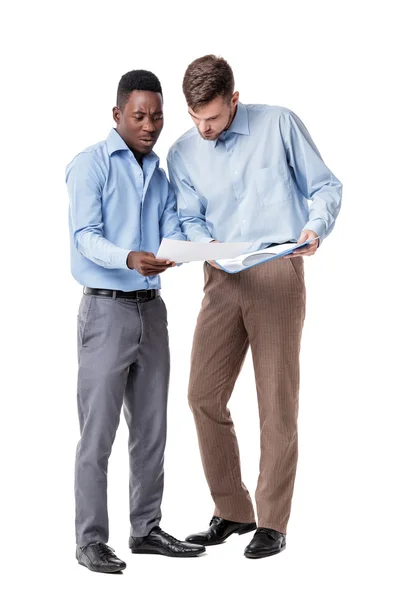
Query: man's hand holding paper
point(310, 248)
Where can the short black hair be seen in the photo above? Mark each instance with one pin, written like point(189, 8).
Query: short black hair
point(136, 80)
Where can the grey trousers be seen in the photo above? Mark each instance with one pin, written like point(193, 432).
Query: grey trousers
point(123, 356)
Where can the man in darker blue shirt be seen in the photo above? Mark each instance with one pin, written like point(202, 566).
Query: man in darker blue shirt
point(121, 206)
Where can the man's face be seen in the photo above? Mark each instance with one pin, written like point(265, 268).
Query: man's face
point(141, 120)
point(213, 118)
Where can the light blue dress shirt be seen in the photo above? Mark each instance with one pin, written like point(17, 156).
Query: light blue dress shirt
point(115, 207)
point(254, 183)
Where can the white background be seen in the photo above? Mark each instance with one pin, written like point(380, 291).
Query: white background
point(334, 64)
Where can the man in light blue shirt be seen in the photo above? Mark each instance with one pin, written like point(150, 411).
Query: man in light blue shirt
point(121, 206)
point(248, 173)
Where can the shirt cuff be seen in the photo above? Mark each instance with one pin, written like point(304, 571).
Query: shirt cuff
point(201, 238)
point(318, 226)
point(120, 257)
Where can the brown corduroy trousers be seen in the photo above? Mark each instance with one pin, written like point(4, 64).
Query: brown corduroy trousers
point(263, 307)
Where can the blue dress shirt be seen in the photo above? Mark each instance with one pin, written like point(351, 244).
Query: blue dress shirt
point(116, 207)
point(254, 183)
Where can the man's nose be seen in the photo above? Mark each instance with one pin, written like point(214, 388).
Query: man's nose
point(204, 126)
point(148, 125)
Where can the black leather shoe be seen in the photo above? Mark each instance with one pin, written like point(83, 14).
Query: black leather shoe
point(265, 542)
point(219, 530)
point(159, 542)
point(99, 557)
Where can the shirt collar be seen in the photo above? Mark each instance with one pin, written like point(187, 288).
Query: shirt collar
point(115, 143)
point(240, 123)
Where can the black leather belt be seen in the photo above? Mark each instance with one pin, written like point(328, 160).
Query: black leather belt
point(136, 295)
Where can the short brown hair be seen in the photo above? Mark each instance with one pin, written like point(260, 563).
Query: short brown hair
point(205, 79)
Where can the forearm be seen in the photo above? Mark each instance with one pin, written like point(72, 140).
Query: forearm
point(324, 208)
point(100, 251)
point(195, 229)
point(191, 212)
point(313, 178)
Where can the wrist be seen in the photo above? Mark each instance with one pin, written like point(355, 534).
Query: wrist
point(130, 259)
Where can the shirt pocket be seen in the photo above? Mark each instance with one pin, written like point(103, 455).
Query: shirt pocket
point(272, 185)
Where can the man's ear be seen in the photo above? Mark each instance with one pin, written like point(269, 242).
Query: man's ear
point(235, 98)
point(116, 114)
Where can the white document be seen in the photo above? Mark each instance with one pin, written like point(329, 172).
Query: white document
point(245, 261)
point(181, 252)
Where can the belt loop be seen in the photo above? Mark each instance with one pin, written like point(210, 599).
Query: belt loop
point(114, 294)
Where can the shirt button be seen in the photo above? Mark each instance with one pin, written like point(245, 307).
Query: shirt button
point(244, 221)
point(235, 172)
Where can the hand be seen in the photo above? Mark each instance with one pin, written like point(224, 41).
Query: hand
point(212, 262)
point(308, 250)
point(147, 264)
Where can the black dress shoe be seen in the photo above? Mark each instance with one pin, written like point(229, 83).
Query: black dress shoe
point(265, 542)
point(159, 542)
point(99, 557)
point(219, 530)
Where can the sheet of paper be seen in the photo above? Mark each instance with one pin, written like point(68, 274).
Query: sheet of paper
point(179, 251)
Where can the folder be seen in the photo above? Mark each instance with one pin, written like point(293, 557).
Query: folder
point(246, 261)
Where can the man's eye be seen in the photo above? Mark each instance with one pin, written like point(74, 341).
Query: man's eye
point(138, 118)
point(158, 118)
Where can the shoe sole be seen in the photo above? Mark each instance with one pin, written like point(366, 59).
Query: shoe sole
point(241, 531)
point(169, 554)
point(266, 554)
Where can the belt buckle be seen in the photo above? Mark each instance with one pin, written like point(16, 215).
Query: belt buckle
point(142, 295)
